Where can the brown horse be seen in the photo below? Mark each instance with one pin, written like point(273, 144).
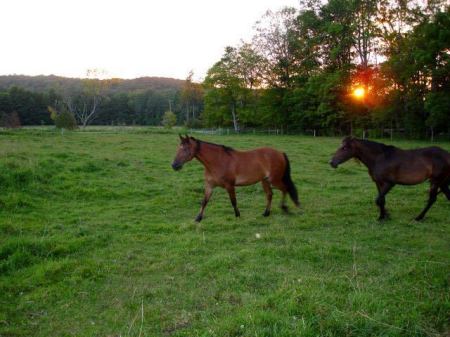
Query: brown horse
point(227, 168)
point(389, 166)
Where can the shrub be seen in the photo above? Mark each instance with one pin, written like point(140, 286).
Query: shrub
point(63, 119)
point(169, 119)
point(10, 120)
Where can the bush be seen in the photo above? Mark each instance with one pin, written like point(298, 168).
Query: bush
point(10, 120)
point(64, 119)
point(169, 119)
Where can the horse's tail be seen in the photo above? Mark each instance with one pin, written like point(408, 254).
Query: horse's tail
point(291, 189)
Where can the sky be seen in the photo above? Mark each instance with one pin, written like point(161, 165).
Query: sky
point(126, 39)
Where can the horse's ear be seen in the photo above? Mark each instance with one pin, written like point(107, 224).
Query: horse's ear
point(183, 140)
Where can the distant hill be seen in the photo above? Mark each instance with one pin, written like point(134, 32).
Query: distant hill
point(45, 83)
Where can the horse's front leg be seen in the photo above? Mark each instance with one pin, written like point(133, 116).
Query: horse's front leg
point(232, 193)
point(208, 193)
point(432, 198)
point(383, 189)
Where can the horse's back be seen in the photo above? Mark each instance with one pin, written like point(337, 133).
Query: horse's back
point(430, 161)
point(440, 159)
point(435, 154)
point(261, 153)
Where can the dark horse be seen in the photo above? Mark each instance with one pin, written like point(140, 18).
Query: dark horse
point(389, 166)
point(227, 168)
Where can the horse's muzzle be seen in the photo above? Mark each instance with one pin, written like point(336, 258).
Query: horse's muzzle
point(176, 166)
point(333, 164)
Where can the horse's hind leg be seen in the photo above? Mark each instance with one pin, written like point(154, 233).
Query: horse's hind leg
point(432, 198)
point(232, 193)
point(283, 202)
point(269, 194)
point(208, 193)
point(445, 189)
point(280, 185)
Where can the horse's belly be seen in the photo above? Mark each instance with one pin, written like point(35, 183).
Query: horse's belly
point(411, 180)
point(245, 180)
point(249, 178)
point(412, 175)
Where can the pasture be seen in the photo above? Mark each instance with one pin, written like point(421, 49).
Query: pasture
point(97, 238)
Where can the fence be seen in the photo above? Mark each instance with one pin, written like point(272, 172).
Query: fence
point(361, 133)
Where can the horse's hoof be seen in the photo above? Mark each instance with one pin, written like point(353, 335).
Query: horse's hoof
point(198, 218)
point(237, 214)
point(285, 209)
point(266, 213)
point(383, 217)
point(419, 218)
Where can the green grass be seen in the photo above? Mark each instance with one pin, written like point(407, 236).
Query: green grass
point(97, 238)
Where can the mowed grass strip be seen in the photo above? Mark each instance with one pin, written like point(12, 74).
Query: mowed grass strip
point(97, 238)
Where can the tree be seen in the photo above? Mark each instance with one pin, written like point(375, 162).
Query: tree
point(418, 70)
point(366, 30)
point(83, 105)
point(225, 85)
point(63, 119)
point(30, 106)
point(169, 119)
point(10, 120)
point(191, 99)
point(273, 41)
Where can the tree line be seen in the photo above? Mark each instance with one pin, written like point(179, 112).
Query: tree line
point(26, 100)
point(332, 67)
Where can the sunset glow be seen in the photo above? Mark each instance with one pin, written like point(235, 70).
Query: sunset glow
point(359, 92)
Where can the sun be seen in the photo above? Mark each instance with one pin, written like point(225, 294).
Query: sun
point(359, 92)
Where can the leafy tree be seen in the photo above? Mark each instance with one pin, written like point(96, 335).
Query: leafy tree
point(63, 119)
point(366, 30)
point(169, 119)
point(191, 99)
point(30, 106)
point(419, 71)
point(115, 109)
point(275, 35)
point(224, 87)
point(10, 120)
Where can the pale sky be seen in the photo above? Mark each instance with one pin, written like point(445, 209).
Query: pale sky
point(126, 38)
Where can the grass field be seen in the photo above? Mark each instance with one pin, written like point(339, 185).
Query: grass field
point(97, 238)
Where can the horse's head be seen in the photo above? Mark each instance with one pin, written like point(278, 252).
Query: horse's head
point(344, 152)
point(186, 152)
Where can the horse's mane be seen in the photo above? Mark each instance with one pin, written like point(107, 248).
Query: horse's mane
point(227, 149)
point(377, 147)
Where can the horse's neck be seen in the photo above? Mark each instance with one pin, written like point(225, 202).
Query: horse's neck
point(366, 155)
point(206, 155)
